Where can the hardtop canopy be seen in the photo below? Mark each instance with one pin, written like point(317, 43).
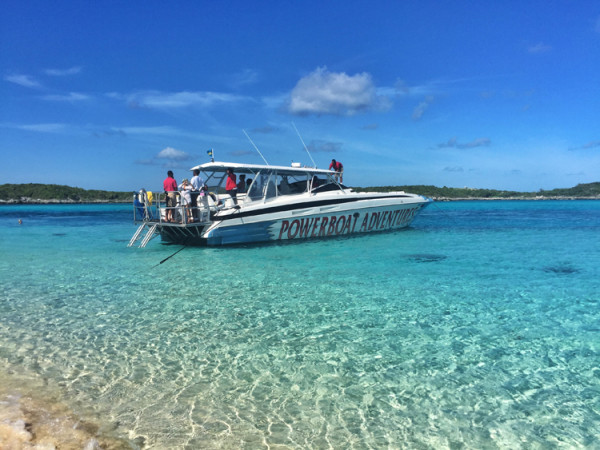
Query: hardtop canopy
point(221, 167)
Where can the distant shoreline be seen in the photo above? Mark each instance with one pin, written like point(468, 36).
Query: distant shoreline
point(541, 198)
point(436, 199)
point(48, 194)
point(62, 202)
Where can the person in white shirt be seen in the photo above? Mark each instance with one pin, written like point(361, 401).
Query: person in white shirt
point(198, 191)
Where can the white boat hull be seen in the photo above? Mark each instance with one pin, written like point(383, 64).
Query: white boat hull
point(314, 223)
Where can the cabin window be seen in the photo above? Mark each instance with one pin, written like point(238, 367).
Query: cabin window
point(255, 191)
point(296, 184)
point(270, 189)
point(283, 186)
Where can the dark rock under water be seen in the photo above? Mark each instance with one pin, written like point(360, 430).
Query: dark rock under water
point(426, 257)
point(561, 269)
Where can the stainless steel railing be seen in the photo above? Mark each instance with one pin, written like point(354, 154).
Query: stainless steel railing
point(150, 207)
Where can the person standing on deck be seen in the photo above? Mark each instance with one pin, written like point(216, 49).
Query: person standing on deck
point(231, 185)
point(241, 186)
point(185, 189)
point(338, 167)
point(170, 187)
point(197, 185)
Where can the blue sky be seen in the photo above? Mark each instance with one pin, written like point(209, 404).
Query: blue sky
point(487, 94)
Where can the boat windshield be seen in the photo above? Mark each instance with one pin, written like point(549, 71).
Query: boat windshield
point(263, 183)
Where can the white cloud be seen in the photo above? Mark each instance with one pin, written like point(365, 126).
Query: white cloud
point(481, 142)
point(589, 145)
point(428, 89)
point(169, 100)
point(539, 48)
point(70, 97)
point(324, 92)
point(41, 127)
point(316, 146)
point(453, 143)
point(238, 153)
point(160, 130)
point(23, 80)
point(275, 101)
point(244, 78)
point(421, 108)
point(402, 87)
point(63, 72)
point(172, 154)
point(268, 129)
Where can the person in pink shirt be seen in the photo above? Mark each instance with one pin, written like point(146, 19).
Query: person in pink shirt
point(231, 185)
point(170, 187)
point(338, 167)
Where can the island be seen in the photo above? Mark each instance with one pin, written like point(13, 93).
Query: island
point(580, 192)
point(53, 193)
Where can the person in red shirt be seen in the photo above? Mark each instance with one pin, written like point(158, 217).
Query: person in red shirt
point(170, 187)
point(231, 185)
point(338, 167)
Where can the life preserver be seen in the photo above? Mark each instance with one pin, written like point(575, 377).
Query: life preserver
point(149, 197)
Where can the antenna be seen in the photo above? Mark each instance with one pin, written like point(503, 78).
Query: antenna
point(305, 147)
point(261, 155)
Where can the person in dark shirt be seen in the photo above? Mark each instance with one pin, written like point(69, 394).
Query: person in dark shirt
point(241, 186)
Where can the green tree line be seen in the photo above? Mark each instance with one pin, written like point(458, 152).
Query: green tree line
point(50, 192)
point(53, 192)
point(588, 190)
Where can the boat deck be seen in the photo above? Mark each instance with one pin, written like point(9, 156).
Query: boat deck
point(151, 218)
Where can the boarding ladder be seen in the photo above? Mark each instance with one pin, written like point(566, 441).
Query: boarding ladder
point(149, 234)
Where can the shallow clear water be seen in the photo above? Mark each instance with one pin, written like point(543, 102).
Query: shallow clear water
point(478, 327)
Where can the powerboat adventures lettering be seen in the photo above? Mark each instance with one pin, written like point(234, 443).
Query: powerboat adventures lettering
point(273, 203)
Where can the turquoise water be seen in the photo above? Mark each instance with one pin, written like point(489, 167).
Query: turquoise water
point(478, 327)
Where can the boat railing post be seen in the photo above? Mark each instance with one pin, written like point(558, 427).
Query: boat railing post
point(164, 208)
point(147, 210)
point(158, 207)
point(203, 207)
point(135, 207)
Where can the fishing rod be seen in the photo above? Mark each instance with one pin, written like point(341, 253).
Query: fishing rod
point(305, 147)
point(434, 203)
point(170, 256)
point(261, 155)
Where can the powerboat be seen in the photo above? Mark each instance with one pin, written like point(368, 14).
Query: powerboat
point(278, 203)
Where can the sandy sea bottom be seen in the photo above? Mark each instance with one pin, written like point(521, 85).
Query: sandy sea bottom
point(476, 328)
point(32, 417)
